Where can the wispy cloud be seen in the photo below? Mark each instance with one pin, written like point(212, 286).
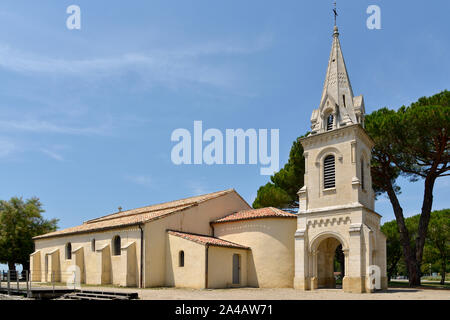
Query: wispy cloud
point(168, 65)
point(7, 147)
point(40, 126)
point(53, 154)
point(197, 188)
point(142, 180)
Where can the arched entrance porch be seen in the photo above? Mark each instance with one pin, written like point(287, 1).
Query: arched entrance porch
point(325, 250)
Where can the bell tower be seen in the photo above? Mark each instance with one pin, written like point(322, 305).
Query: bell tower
point(337, 201)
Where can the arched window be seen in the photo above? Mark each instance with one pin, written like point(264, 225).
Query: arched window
point(181, 258)
point(330, 120)
point(93, 245)
point(68, 251)
point(116, 246)
point(329, 180)
point(362, 174)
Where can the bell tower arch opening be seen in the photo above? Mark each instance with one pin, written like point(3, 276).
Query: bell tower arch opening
point(328, 260)
point(326, 253)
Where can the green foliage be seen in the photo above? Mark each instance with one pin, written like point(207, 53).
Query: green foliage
point(437, 245)
point(393, 247)
point(413, 142)
point(380, 126)
point(20, 221)
point(421, 136)
point(281, 192)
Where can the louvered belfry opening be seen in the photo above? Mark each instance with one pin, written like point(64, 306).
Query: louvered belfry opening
point(330, 120)
point(329, 172)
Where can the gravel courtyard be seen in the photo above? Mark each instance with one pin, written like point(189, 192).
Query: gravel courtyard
point(268, 294)
point(281, 294)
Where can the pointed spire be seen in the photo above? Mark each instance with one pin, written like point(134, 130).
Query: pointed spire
point(337, 95)
point(337, 92)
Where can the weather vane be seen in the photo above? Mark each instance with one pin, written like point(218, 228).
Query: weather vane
point(335, 13)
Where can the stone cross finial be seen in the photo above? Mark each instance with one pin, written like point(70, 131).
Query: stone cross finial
point(335, 13)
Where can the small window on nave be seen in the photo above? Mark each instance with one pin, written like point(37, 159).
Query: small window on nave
point(116, 246)
point(181, 258)
point(68, 251)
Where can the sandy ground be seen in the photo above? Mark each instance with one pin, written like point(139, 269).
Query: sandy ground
point(280, 294)
point(273, 294)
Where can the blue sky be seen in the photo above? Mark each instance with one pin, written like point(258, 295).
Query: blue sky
point(86, 115)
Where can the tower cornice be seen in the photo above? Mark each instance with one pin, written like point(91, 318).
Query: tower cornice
point(356, 129)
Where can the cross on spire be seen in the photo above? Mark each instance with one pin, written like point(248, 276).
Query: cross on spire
point(335, 13)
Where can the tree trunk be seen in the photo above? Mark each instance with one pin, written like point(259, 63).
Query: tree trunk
point(443, 269)
point(410, 258)
point(11, 266)
point(424, 217)
point(25, 265)
point(390, 271)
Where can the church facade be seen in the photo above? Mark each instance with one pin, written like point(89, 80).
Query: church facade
point(217, 240)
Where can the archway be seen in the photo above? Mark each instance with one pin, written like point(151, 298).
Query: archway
point(329, 252)
point(326, 252)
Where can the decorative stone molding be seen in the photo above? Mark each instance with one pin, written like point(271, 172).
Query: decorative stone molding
point(356, 181)
point(327, 151)
point(300, 233)
point(372, 220)
point(302, 190)
point(355, 227)
point(329, 221)
point(317, 211)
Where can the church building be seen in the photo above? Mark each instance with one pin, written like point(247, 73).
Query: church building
point(218, 241)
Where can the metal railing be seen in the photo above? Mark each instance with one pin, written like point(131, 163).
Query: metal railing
point(12, 277)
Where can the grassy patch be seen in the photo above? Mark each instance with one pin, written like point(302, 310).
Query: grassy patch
point(424, 285)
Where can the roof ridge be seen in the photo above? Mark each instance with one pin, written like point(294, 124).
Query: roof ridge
point(124, 213)
point(173, 232)
point(273, 209)
point(114, 221)
point(136, 213)
point(253, 214)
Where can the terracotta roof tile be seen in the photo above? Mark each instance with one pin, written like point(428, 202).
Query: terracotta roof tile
point(206, 240)
point(268, 212)
point(136, 216)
